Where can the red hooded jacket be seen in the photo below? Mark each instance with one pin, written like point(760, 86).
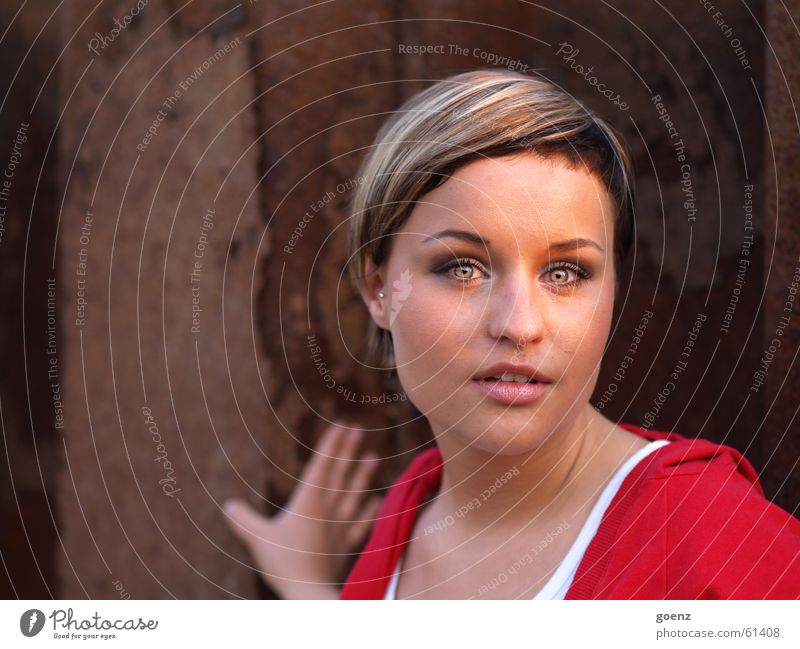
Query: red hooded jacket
point(690, 521)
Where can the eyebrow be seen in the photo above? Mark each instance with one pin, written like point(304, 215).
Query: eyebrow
point(471, 237)
point(475, 238)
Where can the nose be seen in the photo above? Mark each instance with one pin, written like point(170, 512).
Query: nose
point(516, 311)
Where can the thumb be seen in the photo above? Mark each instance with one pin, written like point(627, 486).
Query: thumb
point(245, 522)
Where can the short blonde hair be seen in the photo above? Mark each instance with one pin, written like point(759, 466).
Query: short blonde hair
point(477, 114)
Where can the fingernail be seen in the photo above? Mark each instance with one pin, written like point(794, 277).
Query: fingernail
point(230, 506)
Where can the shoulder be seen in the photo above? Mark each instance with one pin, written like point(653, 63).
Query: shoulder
point(699, 478)
point(722, 537)
point(700, 458)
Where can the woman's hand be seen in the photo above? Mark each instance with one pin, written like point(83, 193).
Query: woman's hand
point(301, 552)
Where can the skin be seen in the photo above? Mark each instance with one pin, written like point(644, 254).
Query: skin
point(513, 299)
point(301, 552)
point(519, 304)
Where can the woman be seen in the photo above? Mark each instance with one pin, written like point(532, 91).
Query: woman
point(487, 242)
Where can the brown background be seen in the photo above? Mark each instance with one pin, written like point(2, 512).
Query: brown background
point(264, 132)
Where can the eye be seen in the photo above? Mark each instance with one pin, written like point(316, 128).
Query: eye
point(463, 271)
point(567, 274)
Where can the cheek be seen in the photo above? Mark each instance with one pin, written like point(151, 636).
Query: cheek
point(432, 328)
point(431, 325)
point(584, 328)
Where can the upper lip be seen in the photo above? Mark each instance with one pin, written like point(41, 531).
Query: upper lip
point(512, 368)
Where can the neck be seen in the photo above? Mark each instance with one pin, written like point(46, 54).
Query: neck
point(481, 488)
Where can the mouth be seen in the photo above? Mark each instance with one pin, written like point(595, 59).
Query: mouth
point(508, 377)
point(506, 372)
point(510, 388)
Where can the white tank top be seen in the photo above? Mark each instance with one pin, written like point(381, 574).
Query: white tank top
point(559, 583)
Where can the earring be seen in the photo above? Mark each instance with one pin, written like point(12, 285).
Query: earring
point(381, 294)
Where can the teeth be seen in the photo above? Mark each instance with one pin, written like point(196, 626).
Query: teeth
point(516, 378)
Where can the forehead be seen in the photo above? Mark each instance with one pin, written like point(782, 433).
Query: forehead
point(517, 197)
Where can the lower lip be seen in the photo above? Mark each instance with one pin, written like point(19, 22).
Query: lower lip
point(509, 392)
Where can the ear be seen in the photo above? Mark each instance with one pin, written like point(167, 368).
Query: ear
point(373, 285)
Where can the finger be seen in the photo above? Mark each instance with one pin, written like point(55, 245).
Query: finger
point(350, 499)
point(356, 535)
point(245, 522)
point(344, 463)
point(318, 467)
point(311, 492)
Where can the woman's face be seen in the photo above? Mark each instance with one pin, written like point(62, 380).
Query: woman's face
point(537, 292)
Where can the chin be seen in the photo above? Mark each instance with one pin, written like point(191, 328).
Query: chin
point(506, 436)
